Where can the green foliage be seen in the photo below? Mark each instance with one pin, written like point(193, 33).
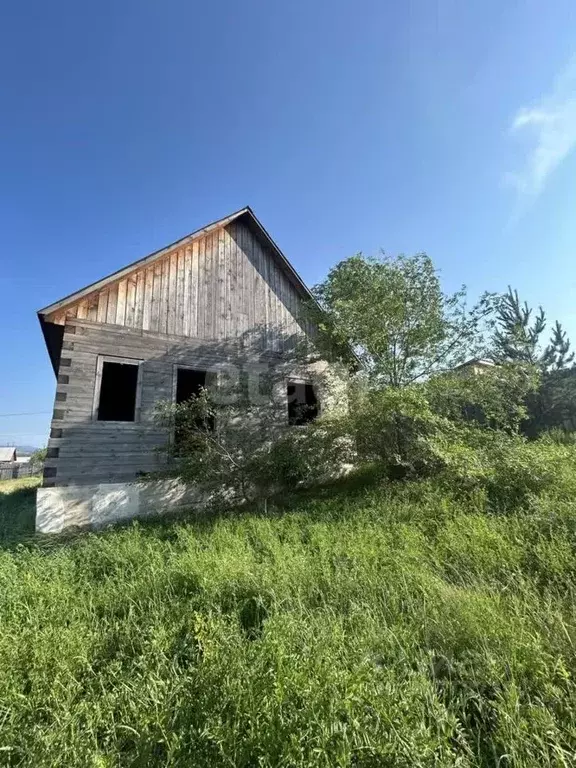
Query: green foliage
point(39, 456)
point(559, 435)
point(508, 469)
point(304, 456)
point(495, 398)
point(557, 355)
point(390, 626)
point(394, 315)
point(554, 404)
point(393, 428)
point(426, 430)
point(234, 451)
point(517, 336)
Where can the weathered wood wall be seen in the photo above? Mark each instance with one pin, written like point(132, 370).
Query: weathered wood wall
point(221, 297)
point(219, 286)
point(84, 450)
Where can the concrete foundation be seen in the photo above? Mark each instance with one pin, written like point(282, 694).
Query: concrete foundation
point(92, 506)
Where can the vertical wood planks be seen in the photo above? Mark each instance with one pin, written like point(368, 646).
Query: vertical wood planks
point(139, 303)
point(186, 302)
point(163, 318)
point(219, 286)
point(201, 287)
point(156, 297)
point(112, 305)
point(102, 306)
point(121, 304)
point(131, 300)
point(234, 265)
point(179, 321)
point(208, 301)
point(83, 310)
point(172, 285)
point(148, 296)
point(194, 290)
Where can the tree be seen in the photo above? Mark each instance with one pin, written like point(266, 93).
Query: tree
point(517, 339)
point(557, 355)
point(516, 336)
point(496, 398)
point(392, 315)
point(39, 456)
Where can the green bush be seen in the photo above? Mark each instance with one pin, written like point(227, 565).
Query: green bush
point(238, 455)
point(393, 427)
point(559, 435)
point(509, 468)
point(495, 398)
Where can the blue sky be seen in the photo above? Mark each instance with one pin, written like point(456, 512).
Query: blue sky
point(435, 125)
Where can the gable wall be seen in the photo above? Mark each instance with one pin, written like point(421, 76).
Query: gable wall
point(219, 286)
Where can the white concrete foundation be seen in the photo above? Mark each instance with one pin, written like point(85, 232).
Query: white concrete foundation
point(92, 506)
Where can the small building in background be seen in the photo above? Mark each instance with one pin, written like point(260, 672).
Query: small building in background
point(7, 455)
point(474, 367)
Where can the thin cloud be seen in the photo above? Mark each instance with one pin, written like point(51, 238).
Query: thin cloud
point(550, 126)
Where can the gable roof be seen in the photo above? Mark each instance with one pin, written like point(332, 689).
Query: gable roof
point(481, 361)
point(245, 214)
point(7, 454)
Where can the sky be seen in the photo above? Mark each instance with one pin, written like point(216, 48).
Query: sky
point(423, 125)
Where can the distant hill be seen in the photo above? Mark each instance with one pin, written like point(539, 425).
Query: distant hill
point(26, 450)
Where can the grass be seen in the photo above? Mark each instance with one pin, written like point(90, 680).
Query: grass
point(354, 628)
point(17, 508)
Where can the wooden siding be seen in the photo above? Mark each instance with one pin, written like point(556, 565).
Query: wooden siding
point(85, 451)
point(222, 285)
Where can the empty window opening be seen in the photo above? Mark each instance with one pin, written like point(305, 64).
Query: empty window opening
point(190, 383)
point(302, 403)
point(118, 388)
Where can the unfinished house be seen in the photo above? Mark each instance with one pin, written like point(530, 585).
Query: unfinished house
point(223, 297)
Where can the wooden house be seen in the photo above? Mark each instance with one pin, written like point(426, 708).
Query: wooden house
point(224, 295)
point(474, 367)
point(7, 455)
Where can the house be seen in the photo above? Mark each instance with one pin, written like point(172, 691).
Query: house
point(7, 455)
point(221, 298)
point(474, 366)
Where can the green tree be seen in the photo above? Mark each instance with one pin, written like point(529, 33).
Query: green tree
point(517, 332)
point(557, 355)
point(392, 314)
point(517, 338)
point(39, 456)
point(496, 398)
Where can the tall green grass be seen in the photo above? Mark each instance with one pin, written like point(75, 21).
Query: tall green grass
point(363, 628)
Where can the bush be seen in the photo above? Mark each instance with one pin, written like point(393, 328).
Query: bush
point(495, 398)
point(399, 430)
point(236, 455)
point(304, 456)
point(559, 436)
point(508, 468)
point(393, 427)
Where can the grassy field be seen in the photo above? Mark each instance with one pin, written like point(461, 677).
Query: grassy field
point(356, 628)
